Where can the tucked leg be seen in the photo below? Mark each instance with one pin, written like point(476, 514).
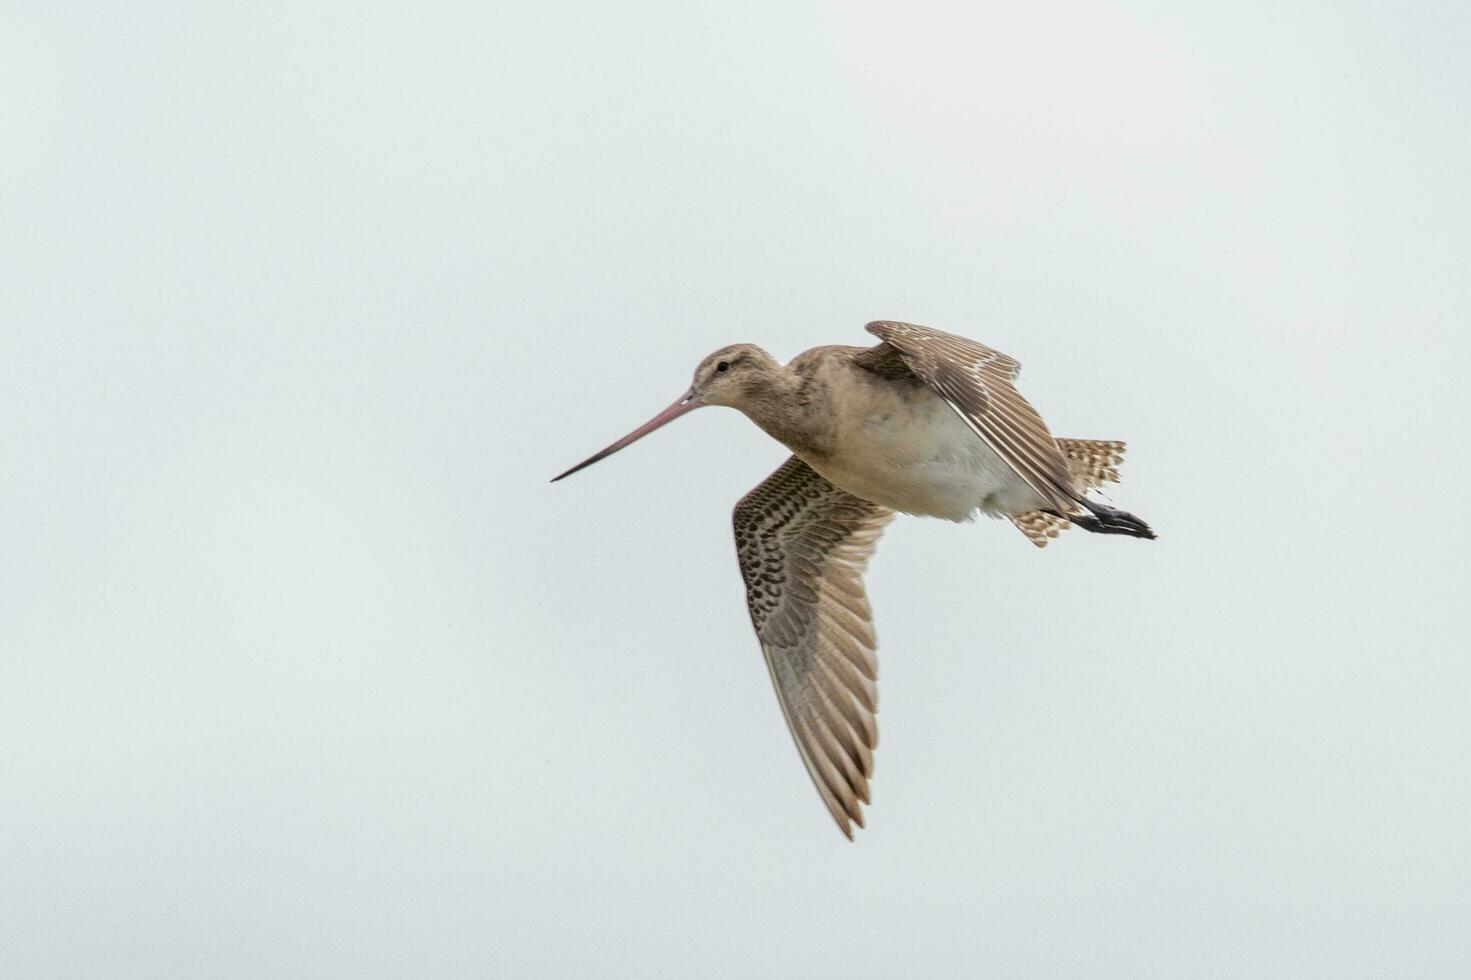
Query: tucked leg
point(1103, 519)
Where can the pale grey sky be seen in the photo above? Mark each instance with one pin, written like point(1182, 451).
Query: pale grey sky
point(306, 671)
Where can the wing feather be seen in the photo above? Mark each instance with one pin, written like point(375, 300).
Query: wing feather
point(803, 545)
point(978, 383)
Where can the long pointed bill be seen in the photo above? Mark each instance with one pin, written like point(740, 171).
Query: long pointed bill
point(688, 402)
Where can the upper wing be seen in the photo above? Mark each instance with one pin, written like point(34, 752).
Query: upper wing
point(803, 545)
point(976, 381)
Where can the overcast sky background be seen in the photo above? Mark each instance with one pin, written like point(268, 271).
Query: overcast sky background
point(305, 670)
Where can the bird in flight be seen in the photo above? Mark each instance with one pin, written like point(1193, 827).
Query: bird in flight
point(924, 423)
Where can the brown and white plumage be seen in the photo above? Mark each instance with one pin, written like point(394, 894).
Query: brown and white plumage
point(924, 423)
point(977, 382)
point(803, 545)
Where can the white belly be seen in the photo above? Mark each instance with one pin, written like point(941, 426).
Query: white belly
point(925, 461)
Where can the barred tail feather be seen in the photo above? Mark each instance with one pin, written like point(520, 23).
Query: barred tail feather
point(1093, 463)
point(1039, 527)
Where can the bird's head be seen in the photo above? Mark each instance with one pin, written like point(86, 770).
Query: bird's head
point(731, 376)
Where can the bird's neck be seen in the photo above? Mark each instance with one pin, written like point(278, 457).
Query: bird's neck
point(784, 406)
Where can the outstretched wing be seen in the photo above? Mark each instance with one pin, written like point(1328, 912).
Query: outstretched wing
point(977, 382)
point(803, 545)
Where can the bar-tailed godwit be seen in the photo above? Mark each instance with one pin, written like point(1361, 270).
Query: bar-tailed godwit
point(924, 423)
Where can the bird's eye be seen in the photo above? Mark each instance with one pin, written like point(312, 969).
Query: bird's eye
point(723, 366)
